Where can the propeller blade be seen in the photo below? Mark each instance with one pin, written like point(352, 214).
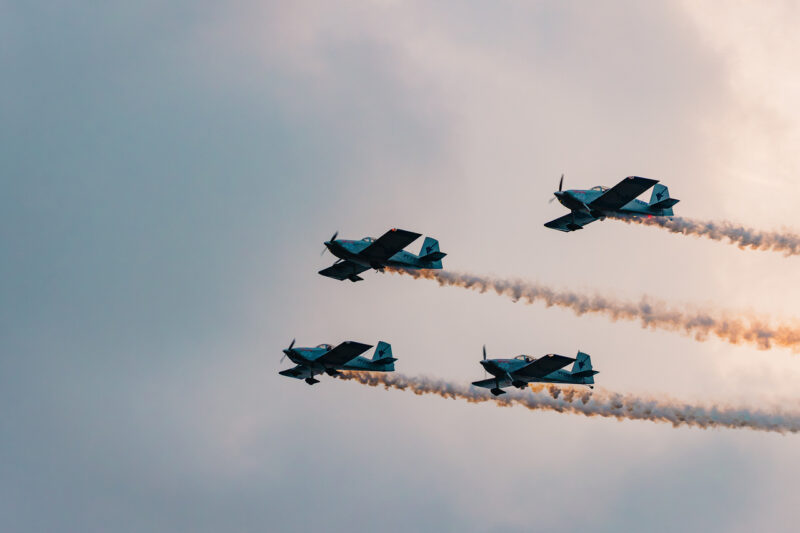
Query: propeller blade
point(333, 238)
point(291, 344)
point(561, 183)
point(484, 352)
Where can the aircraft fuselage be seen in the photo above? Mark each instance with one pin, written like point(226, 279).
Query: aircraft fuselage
point(350, 250)
point(505, 370)
point(579, 200)
point(307, 357)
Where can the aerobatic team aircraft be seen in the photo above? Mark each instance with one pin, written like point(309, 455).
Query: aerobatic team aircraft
point(524, 369)
point(327, 359)
point(620, 200)
point(357, 256)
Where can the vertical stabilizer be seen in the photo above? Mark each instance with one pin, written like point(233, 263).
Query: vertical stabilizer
point(582, 368)
point(660, 192)
point(383, 356)
point(660, 202)
point(430, 253)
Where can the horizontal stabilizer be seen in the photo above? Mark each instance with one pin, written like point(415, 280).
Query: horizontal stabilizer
point(384, 361)
point(435, 256)
point(584, 373)
point(497, 392)
point(665, 204)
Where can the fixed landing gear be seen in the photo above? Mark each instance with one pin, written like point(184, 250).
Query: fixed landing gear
point(311, 381)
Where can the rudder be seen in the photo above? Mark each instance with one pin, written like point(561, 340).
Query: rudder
point(660, 192)
point(582, 368)
point(430, 252)
point(660, 200)
point(383, 356)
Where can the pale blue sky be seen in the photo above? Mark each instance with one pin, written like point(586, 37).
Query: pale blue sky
point(169, 173)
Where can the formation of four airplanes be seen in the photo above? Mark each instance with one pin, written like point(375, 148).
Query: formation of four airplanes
point(355, 257)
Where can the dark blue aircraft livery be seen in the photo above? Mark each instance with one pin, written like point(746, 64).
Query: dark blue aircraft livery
point(524, 369)
point(597, 203)
point(324, 358)
point(357, 256)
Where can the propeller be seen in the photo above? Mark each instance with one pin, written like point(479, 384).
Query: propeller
point(560, 188)
point(484, 358)
point(287, 350)
point(333, 238)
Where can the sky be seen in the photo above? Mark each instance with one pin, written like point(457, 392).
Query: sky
point(170, 171)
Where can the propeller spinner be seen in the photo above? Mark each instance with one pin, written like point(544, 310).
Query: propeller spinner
point(560, 188)
point(333, 238)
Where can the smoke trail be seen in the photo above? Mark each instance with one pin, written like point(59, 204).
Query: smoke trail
point(739, 329)
point(597, 403)
point(788, 243)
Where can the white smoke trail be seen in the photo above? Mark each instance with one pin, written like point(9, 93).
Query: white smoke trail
point(597, 403)
point(741, 236)
point(735, 329)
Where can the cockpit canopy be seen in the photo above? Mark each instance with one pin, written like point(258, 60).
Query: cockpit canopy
point(368, 239)
point(526, 358)
point(325, 346)
point(599, 188)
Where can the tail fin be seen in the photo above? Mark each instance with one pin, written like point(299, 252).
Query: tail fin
point(582, 368)
point(383, 356)
point(660, 199)
point(430, 251)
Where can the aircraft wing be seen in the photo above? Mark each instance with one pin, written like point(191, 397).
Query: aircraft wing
point(544, 365)
point(622, 193)
point(344, 353)
point(389, 244)
point(571, 221)
point(343, 270)
point(492, 383)
point(297, 372)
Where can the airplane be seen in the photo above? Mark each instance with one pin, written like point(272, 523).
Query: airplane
point(620, 200)
point(354, 257)
point(324, 358)
point(524, 369)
